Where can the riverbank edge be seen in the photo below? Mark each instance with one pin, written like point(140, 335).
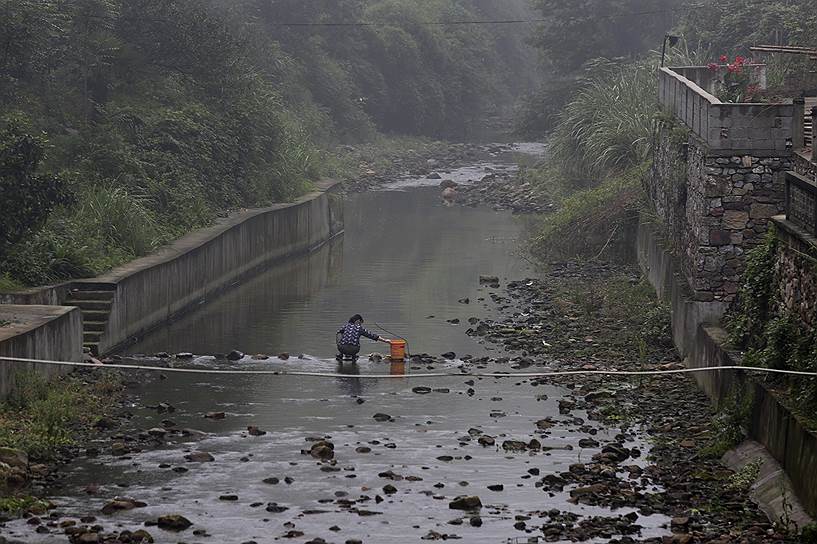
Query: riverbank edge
point(155, 289)
point(702, 342)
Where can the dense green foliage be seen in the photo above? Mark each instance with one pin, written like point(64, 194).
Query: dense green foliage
point(127, 123)
point(732, 26)
point(756, 293)
point(28, 197)
point(578, 31)
point(574, 34)
point(769, 333)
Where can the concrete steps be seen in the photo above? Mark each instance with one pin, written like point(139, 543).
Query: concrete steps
point(95, 302)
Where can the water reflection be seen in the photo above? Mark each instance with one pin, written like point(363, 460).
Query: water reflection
point(352, 386)
point(404, 257)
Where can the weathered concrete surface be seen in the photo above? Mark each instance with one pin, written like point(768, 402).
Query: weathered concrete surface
point(703, 343)
point(52, 295)
point(771, 424)
point(761, 130)
point(670, 283)
point(773, 490)
point(38, 332)
point(152, 290)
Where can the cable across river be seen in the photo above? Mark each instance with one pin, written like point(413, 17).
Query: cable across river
point(546, 374)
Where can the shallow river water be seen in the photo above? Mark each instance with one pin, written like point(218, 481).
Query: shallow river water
point(406, 261)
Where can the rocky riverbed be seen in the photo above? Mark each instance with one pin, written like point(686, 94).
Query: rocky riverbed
point(501, 189)
point(263, 458)
point(585, 316)
point(642, 469)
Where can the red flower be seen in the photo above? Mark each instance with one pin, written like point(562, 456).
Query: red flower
point(724, 58)
point(712, 67)
point(733, 68)
point(740, 60)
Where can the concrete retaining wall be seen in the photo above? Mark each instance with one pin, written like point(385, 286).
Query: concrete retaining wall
point(153, 290)
point(704, 344)
point(731, 129)
point(38, 332)
point(771, 423)
point(53, 295)
point(664, 273)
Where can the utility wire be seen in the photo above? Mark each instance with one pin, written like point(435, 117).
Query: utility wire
point(486, 21)
point(474, 22)
point(548, 374)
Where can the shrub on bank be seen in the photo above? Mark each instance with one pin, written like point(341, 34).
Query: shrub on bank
point(41, 416)
point(592, 223)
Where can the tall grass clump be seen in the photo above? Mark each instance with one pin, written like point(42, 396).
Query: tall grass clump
point(608, 124)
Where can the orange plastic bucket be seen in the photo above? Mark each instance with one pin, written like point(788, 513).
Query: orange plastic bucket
point(398, 350)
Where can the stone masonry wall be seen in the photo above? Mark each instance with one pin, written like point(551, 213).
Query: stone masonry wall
point(796, 273)
point(714, 208)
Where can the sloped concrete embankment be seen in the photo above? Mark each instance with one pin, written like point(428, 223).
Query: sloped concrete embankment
point(699, 337)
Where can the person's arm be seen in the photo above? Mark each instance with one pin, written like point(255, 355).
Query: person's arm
point(373, 336)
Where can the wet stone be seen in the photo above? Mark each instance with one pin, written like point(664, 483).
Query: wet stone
point(199, 457)
point(173, 522)
point(486, 440)
point(322, 449)
point(121, 504)
point(465, 502)
point(255, 431)
point(588, 443)
point(514, 445)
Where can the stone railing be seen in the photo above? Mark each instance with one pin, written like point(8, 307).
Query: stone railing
point(728, 129)
point(801, 202)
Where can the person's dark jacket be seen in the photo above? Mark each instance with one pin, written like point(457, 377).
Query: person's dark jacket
point(351, 332)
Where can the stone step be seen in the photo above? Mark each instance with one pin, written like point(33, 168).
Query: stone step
point(95, 315)
point(91, 337)
point(91, 304)
point(90, 295)
point(94, 326)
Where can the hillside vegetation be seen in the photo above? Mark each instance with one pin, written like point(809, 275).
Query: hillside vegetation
point(601, 120)
point(126, 123)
